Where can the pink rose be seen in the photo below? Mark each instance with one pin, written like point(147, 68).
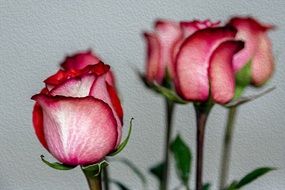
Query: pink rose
point(78, 116)
point(258, 48)
point(203, 67)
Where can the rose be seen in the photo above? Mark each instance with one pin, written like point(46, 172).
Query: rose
point(258, 48)
point(78, 116)
point(203, 67)
point(163, 45)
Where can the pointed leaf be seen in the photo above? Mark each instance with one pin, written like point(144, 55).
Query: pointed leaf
point(95, 169)
point(206, 186)
point(245, 99)
point(253, 176)
point(243, 78)
point(57, 165)
point(157, 170)
point(183, 159)
point(232, 186)
point(125, 142)
point(120, 185)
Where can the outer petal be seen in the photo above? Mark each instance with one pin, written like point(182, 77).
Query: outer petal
point(221, 72)
point(263, 61)
point(248, 30)
point(192, 62)
point(78, 131)
point(170, 36)
point(75, 87)
point(38, 121)
point(154, 67)
point(101, 91)
point(80, 60)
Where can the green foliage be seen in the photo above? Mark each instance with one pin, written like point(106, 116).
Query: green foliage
point(157, 171)
point(120, 185)
point(56, 165)
point(206, 186)
point(125, 142)
point(94, 169)
point(183, 159)
point(243, 78)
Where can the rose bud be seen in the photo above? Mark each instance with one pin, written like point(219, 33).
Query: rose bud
point(162, 47)
point(258, 49)
point(78, 118)
point(203, 67)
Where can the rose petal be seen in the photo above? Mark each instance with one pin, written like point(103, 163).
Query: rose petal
point(78, 131)
point(189, 27)
point(221, 73)
point(193, 61)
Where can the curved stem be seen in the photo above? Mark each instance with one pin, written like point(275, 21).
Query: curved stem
point(94, 183)
point(227, 145)
point(169, 116)
point(201, 119)
point(106, 178)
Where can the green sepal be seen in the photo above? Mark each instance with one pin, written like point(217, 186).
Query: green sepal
point(243, 78)
point(94, 170)
point(206, 186)
point(157, 170)
point(183, 159)
point(125, 142)
point(134, 168)
point(56, 165)
point(245, 99)
point(165, 90)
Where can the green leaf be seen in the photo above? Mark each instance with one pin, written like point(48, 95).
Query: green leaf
point(57, 165)
point(125, 142)
point(232, 186)
point(243, 78)
point(157, 170)
point(206, 186)
point(94, 169)
point(253, 176)
point(120, 185)
point(245, 99)
point(183, 158)
point(134, 168)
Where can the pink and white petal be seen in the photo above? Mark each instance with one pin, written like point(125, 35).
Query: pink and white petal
point(78, 131)
point(75, 87)
point(248, 30)
point(189, 27)
point(80, 60)
point(263, 62)
point(154, 68)
point(110, 78)
point(170, 35)
point(192, 62)
point(221, 72)
point(99, 90)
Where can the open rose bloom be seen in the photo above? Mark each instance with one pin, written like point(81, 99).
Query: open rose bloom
point(78, 116)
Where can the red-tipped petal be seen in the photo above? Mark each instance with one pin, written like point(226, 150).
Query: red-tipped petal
point(115, 101)
point(78, 131)
point(57, 78)
point(80, 60)
point(99, 90)
point(263, 62)
point(221, 73)
point(170, 36)
point(192, 62)
point(154, 67)
point(75, 87)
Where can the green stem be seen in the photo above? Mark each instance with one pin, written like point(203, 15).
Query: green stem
point(227, 145)
point(201, 119)
point(169, 116)
point(106, 178)
point(94, 183)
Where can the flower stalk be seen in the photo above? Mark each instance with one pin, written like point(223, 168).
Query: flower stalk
point(227, 146)
point(169, 117)
point(94, 182)
point(106, 178)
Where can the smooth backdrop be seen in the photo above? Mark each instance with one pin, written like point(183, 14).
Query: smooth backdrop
point(36, 35)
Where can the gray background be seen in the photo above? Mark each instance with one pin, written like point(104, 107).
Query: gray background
point(36, 35)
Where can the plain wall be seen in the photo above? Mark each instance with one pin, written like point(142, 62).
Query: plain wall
point(36, 35)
